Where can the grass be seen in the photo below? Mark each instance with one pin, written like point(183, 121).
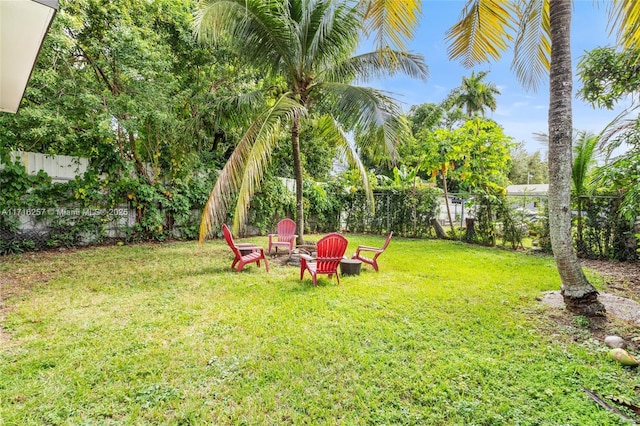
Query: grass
point(444, 334)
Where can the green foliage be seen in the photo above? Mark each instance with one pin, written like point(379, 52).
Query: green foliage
point(514, 226)
point(608, 75)
point(80, 211)
point(324, 203)
point(486, 205)
point(527, 168)
point(407, 211)
point(483, 152)
point(473, 95)
point(541, 229)
point(76, 231)
point(606, 235)
point(272, 203)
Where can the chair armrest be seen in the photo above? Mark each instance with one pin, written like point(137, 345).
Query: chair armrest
point(369, 248)
point(248, 246)
point(307, 257)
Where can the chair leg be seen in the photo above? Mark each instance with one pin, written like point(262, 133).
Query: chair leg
point(266, 264)
point(315, 281)
point(303, 266)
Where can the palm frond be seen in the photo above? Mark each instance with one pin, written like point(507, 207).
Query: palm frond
point(483, 32)
point(258, 29)
point(331, 130)
point(382, 63)
point(614, 134)
point(625, 20)
point(393, 21)
point(237, 109)
point(584, 152)
point(329, 33)
point(243, 171)
point(532, 48)
point(367, 110)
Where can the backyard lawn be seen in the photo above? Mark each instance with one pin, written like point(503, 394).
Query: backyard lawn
point(444, 334)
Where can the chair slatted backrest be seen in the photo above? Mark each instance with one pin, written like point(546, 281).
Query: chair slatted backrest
point(330, 249)
point(286, 229)
point(229, 238)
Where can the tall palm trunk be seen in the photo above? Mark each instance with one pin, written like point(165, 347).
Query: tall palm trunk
point(579, 295)
point(297, 171)
point(580, 242)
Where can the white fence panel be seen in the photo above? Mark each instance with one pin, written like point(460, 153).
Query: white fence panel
point(61, 168)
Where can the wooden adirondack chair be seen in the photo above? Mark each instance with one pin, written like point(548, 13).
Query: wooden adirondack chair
point(377, 252)
point(285, 236)
point(330, 250)
point(256, 254)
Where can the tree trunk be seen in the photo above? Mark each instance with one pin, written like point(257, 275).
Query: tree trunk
point(580, 243)
point(438, 228)
point(470, 225)
point(297, 170)
point(579, 295)
point(446, 200)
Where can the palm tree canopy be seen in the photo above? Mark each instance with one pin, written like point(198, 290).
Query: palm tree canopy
point(308, 43)
point(474, 94)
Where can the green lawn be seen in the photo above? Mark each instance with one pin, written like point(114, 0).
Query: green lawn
point(445, 333)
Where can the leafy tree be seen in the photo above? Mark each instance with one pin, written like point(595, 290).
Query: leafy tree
point(125, 84)
point(440, 162)
point(474, 95)
point(609, 76)
point(474, 156)
point(125, 81)
point(427, 116)
point(527, 168)
point(484, 149)
point(309, 44)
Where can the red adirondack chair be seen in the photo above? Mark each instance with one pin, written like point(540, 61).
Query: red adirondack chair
point(256, 254)
point(285, 236)
point(377, 252)
point(330, 250)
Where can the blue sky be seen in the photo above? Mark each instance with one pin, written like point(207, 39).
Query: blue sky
point(520, 112)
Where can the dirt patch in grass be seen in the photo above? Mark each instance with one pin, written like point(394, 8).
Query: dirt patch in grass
point(621, 297)
point(623, 278)
point(18, 281)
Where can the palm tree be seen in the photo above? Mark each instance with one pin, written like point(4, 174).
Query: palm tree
point(474, 95)
point(309, 44)
point(584, 151)
point(541, 45)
